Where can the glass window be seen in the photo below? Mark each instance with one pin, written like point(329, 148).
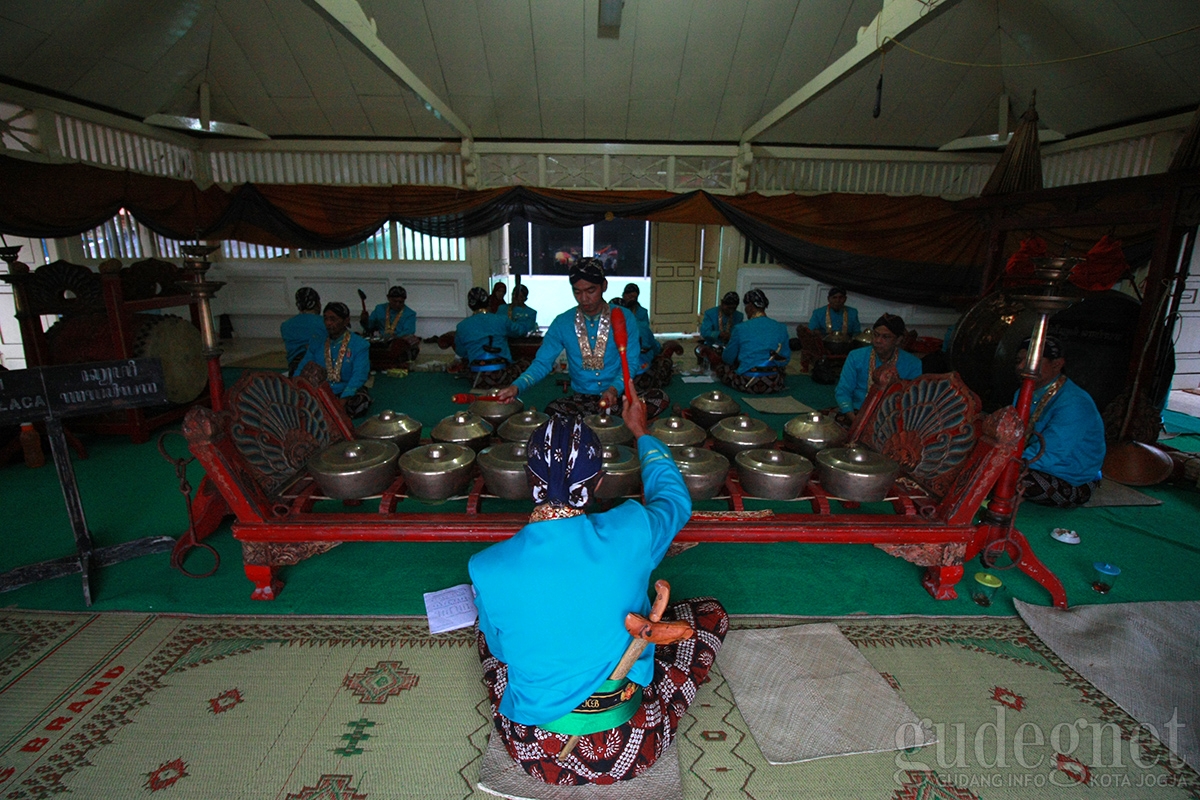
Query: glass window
point(544, 250)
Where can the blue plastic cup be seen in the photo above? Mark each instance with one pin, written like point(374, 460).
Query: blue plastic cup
point(1103, 576)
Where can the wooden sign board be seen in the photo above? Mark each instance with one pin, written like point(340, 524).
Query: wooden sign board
point(73, 390)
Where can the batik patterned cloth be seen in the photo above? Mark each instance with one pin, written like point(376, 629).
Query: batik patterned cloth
point(628, 750)
point(753, 382)
point(656, 402)
point(1047, 490)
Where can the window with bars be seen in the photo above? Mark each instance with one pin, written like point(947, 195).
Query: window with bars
point(124, 237)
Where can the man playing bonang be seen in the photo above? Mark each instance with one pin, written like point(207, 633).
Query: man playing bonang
point(593, 363)
point(548, 680)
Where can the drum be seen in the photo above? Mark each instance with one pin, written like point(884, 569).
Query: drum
point(173, 340)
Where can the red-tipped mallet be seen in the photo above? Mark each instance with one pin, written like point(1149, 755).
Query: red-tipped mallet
point(620, 336)
point(465, 398)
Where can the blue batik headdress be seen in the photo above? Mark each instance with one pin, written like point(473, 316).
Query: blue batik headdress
point(564, 456)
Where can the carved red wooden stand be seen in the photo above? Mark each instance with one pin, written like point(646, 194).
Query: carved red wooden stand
point(254, 454)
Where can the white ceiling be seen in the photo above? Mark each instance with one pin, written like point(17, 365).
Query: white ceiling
point(680, 71)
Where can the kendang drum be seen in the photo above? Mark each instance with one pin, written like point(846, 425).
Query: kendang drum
point(173, 340)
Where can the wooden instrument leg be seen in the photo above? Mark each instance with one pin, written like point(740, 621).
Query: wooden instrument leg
point(266, 585)
point(939, 581)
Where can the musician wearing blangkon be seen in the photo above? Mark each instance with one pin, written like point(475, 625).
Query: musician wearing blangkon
point(551, 682)
point(593, 363)
point(345, 357)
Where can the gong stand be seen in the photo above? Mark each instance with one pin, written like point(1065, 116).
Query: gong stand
point(196, 266)
point(50, 394)
point(997, 534)
point(254, 455)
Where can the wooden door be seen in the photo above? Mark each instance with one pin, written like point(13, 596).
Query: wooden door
point(675, 277)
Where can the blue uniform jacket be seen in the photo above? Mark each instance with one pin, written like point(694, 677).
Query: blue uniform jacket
point(298, 331)
point(523, 318)
point(471, 336)
point(852, 385)
point(817, 321)
point(407, 326)
point(560, 337)
point(752, 342)
point(1073, 433)
point(594, 569)
point(356, 367)
point(710, 326)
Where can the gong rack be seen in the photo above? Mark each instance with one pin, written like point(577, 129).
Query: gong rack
point(253, 454)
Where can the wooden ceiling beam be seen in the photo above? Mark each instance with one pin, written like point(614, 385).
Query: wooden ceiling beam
point(348, 17)
point(895, 19)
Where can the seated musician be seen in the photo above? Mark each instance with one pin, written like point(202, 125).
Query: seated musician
point(345, 357)
point(297, 331)
point(655, 362)
point(496, 298)
point(1067, 452)
point(836, 317)
point(593, 363)
point(757, 351)
point(594, 569)
point(394, 322)
point(858, 373)
point(522, 316)
point(718, 322)
point(480, 331)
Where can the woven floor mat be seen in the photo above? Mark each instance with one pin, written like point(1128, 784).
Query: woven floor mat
point(501, 776)
point(806, 693)
point(1142, 655)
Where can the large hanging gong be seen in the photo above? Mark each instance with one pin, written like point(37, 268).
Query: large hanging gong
point(1098, 334)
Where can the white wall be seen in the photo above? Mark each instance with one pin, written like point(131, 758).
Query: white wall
point(1187, 331)
point(259, 295)
point(794, 296)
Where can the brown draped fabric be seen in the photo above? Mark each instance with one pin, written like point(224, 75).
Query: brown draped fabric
point(911, 249)
point(1020, 166)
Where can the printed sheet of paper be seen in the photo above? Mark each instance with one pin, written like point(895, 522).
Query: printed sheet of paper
point(451, 609)
point(698, 378)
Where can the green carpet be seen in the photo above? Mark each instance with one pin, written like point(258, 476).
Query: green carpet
point(129, 492)
point(129, 705)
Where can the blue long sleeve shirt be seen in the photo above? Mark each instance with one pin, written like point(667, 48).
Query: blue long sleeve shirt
point(523, 318)
point(753, 342)
point(377, 321)
point(298, 331)
point(817, 321)
point(852, 384)
point(597, 567)
point(648, 344)
point(710, 326)
point(1073, 433)
point(356, 366)
point(471, 335)
point(560, 337)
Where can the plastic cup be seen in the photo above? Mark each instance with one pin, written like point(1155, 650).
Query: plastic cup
point(1103, 576)
point(983, 591)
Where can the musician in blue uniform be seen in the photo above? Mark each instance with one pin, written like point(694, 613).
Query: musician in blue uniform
point(757, 352)
point(836, 317)
point(522, 316)
point(1067, 452)
point(593, 363)
point(345, 357)
point(396, 323)
point(858, 373)
point(549, 682)
point(299, 330)
point(717, 325)
point(483, 337)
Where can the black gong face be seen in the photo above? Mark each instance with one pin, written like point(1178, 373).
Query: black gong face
point(1097, 333)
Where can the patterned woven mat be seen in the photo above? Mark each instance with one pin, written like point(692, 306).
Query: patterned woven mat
point(308, 708)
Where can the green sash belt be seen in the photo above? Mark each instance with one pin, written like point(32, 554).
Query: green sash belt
point(613, 704)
